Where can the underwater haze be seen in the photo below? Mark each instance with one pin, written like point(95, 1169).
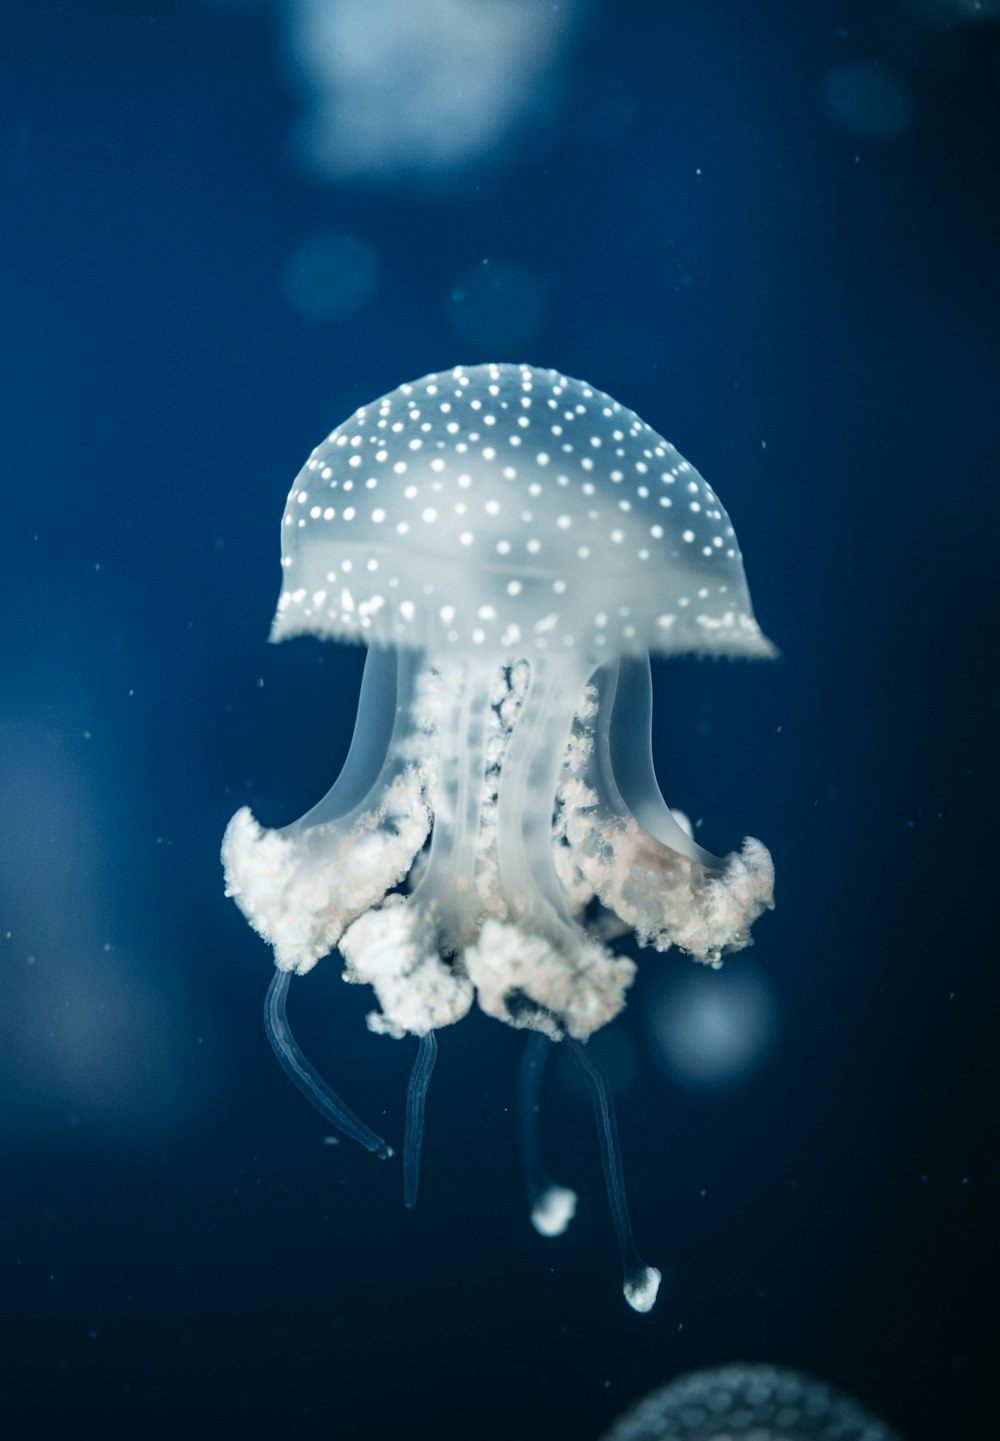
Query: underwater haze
point(769, 230)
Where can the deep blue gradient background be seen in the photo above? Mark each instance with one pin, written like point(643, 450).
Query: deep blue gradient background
point(813, 321)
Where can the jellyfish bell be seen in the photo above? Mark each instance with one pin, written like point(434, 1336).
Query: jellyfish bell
point(756, 1400)
point(502, 508)
point(522, 534)
point(512, 545)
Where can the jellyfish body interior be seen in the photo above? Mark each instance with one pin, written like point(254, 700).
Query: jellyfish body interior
point(511, 545)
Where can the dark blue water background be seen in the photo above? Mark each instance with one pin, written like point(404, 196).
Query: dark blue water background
point(811, 316)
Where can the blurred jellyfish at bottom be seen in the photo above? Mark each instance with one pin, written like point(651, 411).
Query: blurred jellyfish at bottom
point(757, 1402)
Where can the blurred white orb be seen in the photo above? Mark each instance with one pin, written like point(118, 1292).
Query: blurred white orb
point(712, 1028)
point(330, 276)
point(866, 101)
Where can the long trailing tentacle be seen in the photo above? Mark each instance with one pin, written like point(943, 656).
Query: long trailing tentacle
point(307, 1078)
point(552, 1206)
point(416, 1103)
point(640, 1282)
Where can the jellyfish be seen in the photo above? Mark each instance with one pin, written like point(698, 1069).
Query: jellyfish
point(511, 545)
point(760, 1401)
